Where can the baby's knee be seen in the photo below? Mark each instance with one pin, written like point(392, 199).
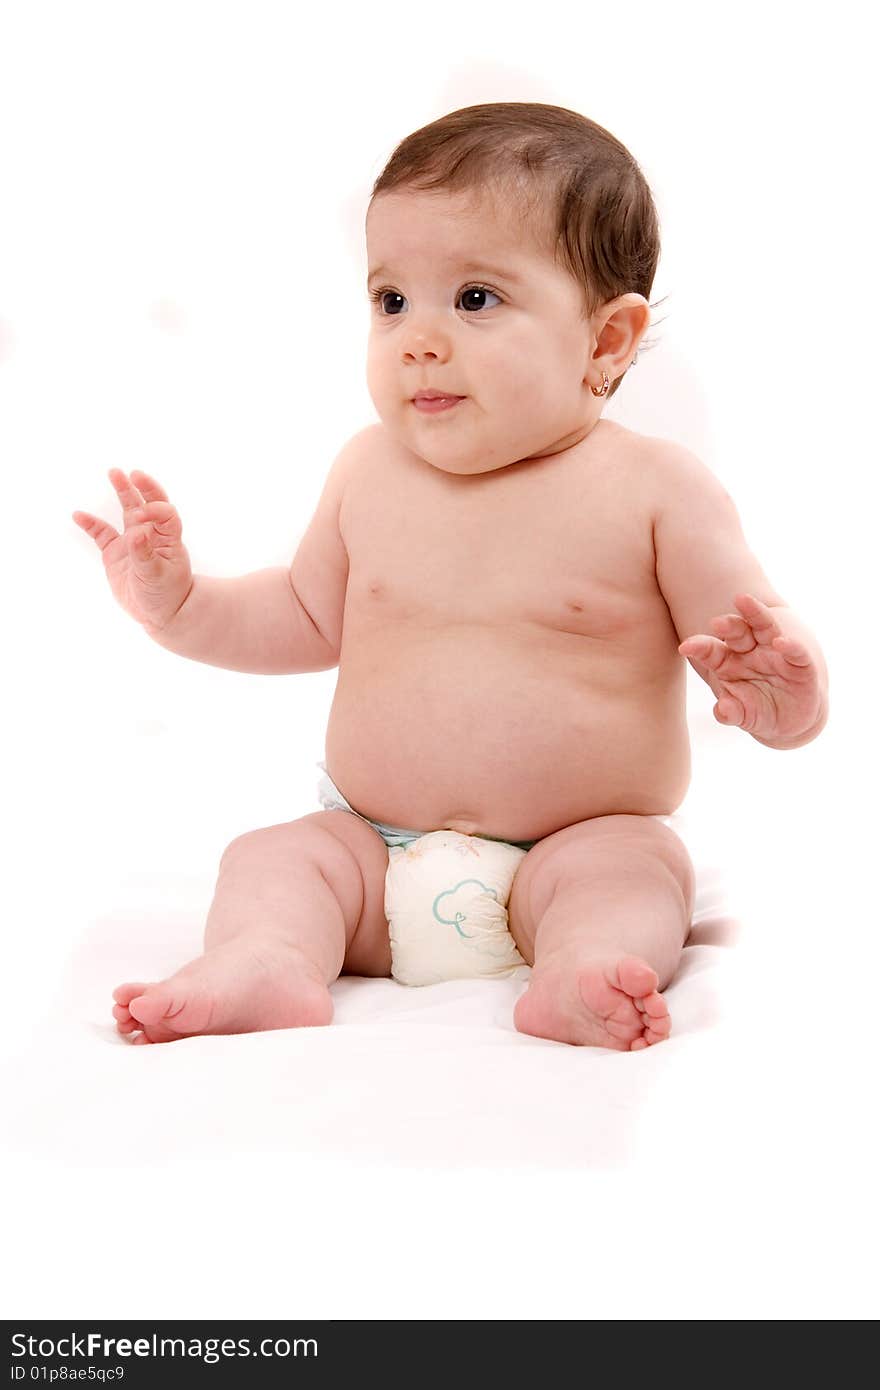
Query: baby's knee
point(288, 848)
point(269, 840)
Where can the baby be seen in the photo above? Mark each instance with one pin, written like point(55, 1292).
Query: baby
point(508, 584)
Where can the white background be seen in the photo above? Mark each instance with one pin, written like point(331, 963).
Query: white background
point(183, 189)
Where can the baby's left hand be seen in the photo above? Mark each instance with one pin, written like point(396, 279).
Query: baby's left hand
point(767, 684)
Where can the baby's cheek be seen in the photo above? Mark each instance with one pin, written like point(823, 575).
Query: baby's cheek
point(377, 376)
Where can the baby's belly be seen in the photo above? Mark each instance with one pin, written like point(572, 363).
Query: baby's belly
point(501, 733)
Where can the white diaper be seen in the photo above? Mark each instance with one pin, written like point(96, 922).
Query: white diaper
point(446, 903)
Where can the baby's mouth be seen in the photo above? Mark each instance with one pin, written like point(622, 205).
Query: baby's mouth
point(431, 404)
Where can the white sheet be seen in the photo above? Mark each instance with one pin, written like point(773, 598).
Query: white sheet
point(426, 1075)
point(360, 1170)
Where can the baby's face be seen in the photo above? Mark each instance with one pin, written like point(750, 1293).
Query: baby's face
point(471, 305)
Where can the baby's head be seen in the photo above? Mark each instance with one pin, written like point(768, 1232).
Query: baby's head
point(511, 252)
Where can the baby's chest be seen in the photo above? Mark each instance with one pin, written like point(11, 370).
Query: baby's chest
point(476, 558)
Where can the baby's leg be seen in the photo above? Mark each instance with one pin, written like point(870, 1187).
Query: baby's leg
point(602, 910)
point(294, 903)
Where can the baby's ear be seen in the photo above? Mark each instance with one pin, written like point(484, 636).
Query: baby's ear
point(621, 325)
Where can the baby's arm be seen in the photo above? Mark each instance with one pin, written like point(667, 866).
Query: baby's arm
point(274, 621)
point(763, 663)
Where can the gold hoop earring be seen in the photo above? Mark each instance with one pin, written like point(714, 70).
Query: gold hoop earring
point(603, 390)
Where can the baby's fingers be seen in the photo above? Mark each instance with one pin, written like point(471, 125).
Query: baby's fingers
point(708, 650)
point(150, 490)
point(793, 651)
point(161, 515)
point(160, 534)
point(101, 532)
point(129, 496)
point(735, 631)
point(759, 617)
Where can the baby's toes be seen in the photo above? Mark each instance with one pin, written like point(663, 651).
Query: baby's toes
point(658, 1029)
point(124, 1021)
point(637, 979)
point(637, 1000)
point(653, 1006)
point(147, 1010)
point(606, 1002)
point(655, 1020)
point(625, 1022)
point(123, 994)
point(172, 1009)
point(153, 1004)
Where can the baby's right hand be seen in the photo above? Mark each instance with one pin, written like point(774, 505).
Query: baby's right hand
point(148, 566)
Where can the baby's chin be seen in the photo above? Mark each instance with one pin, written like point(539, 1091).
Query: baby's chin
point(465, 468)
point(449, 450)
point(450, 457)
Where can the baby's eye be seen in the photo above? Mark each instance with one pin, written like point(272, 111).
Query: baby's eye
point(379, 297)
point(480, 290)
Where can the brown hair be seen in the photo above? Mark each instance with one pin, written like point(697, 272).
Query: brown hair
point(566, 173)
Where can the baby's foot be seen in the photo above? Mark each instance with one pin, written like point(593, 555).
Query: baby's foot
point(605, 1003)
point(243, 986)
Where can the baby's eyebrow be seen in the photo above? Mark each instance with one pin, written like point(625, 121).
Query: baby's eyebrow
point(469, 268)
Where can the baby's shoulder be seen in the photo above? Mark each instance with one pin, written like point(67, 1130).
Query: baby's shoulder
point(634, 447)
point(665, 466)
point(638, 462)
point(355, 455)
point(682, 494)
point(365, 444)
point(371, 447)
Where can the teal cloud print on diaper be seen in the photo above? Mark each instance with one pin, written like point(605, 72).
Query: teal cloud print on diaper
point(458, 915)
